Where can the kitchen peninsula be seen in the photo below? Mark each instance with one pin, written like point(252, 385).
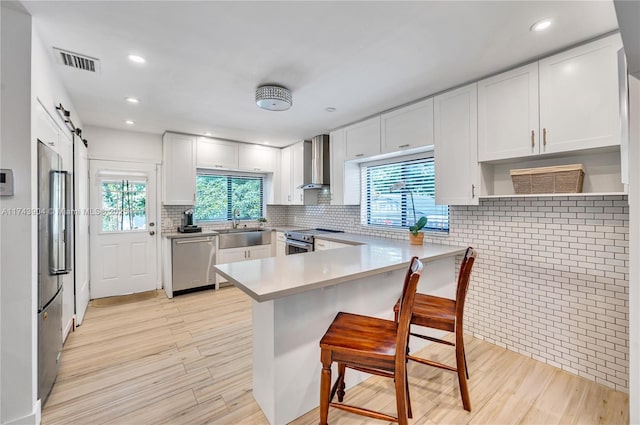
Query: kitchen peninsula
point(296, 297)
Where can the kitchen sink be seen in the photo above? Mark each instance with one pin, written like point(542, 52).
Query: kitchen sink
point(238, 238)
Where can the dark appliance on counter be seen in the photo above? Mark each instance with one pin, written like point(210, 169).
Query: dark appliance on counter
point(54, 260)
point(187, 223)
point(301, 241)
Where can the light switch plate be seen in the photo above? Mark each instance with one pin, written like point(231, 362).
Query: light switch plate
point(6, 182)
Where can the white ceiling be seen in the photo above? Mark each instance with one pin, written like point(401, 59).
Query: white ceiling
point(205, 59)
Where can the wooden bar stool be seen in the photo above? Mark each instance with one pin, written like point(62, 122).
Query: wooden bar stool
point(370, 345)
point(446, 315)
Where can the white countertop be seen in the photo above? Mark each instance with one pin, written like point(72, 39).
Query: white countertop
point(278, 277)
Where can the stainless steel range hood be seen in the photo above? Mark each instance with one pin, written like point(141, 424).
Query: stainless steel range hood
point(320, 171)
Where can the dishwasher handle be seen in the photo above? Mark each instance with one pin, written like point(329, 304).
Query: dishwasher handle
point(209, 239)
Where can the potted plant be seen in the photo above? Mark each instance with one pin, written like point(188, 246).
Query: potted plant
point(262, 221)
point(415, 236)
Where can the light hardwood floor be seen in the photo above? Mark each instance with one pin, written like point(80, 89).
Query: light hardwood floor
point(188, 361)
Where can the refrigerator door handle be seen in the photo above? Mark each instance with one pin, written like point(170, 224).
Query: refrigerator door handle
point(59, 238)
point(68, 221)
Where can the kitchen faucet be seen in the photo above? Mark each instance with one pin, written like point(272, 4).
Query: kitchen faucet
point(236, 213)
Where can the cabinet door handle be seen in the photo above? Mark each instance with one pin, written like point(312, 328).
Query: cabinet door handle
point(301, 197)
point(473, 191)
point(249, 254)
point(256, 169)
point(404, 146)
point(359, 155)
point(544, 137)
point(533, 141)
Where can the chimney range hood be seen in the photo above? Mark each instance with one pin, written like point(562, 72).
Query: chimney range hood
point(319, 164)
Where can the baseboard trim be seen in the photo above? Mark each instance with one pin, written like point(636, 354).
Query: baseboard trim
point(31, 419)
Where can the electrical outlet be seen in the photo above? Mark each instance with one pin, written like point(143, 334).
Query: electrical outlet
point(352, 222)
point(167, 223)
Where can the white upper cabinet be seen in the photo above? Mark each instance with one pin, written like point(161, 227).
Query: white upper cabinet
point(456, 146)
point(217, 154)
point(297, 172)
point(579, 97)
point(293, 175)
point(408, 127)
point(285, 176)
point(563, 103)
point(260, 159)
point(508, 124)
point(337, 153)
point(363, 139)
point(179, 169)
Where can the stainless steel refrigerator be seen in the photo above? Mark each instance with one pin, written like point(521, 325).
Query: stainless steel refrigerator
point(54, 260)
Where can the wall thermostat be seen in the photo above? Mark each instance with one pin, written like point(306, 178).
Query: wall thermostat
point(6, 182)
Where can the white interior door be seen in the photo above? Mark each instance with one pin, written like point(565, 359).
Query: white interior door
point(123, 235)
point(81, 230)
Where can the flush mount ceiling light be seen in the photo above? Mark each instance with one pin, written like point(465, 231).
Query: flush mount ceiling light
point(273, 98)
point(541, 25)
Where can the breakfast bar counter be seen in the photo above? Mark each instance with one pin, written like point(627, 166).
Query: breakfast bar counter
point(296, 297)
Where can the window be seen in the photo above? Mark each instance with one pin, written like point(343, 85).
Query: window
point(217, 195)
point(124, 205)
point(393, 190)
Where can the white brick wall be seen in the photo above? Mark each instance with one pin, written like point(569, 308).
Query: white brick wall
point(550, 282)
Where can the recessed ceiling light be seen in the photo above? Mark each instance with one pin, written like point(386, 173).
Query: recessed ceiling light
point(132, 99)
point(541, 25)
point(206, 133)
point(129, 122)
point(265, 143)
point(330, 109)
point(136, 59)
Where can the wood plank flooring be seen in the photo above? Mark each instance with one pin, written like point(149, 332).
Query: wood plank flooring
point(188, 361)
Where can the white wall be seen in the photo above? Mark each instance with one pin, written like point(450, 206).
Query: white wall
point(634, 251)
point(120, 145)
point(48, 91)
point(18, 242)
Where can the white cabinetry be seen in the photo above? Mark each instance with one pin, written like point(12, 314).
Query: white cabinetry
point(256, 158)
point(508, 114)
point(345, 176)
point(179, 169)
point(456, 147)
point(563, 103)
point(281, 248)
point(579, 97)
point(217, 154)
point(363, 139)
point(407, 128)
point(236, 255)
point(293, 175)
point(324, 245)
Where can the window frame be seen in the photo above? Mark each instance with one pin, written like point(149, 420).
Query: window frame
point(366, 207)
point(231, 174)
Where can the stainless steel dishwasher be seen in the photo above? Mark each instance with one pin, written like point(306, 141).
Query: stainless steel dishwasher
point(192, 261)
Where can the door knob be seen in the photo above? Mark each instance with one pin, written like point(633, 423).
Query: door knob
point(152, 224)
point(152, 233)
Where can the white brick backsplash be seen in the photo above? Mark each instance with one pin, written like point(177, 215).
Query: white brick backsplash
point(550, 282)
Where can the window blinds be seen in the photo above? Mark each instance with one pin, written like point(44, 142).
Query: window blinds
point(394, 190)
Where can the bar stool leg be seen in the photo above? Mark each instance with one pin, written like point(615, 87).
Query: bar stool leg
point(325, 386)
point(341, 373)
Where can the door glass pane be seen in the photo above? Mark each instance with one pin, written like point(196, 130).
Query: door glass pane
point(124, 205)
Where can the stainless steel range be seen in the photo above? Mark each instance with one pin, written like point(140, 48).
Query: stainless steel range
point(301, 241)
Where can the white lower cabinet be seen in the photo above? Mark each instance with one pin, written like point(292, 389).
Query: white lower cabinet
point(236, 255)
point(281, 247)
point(323, 245)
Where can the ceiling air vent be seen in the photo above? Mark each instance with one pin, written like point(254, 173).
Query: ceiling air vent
point(76, 60)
